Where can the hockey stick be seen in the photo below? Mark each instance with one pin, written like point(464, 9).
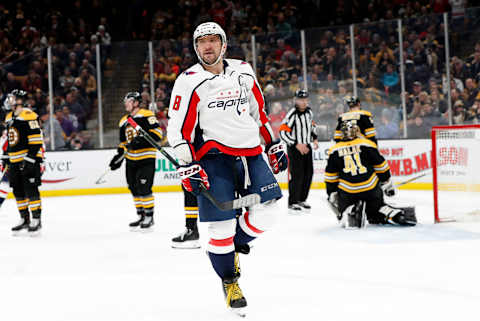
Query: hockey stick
point(410, 180)
point(5, 169)
point(245, 201)
point(101, 180)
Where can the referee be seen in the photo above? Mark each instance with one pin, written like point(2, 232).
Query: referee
point(297, 132)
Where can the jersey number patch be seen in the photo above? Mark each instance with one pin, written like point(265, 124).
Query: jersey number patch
point(353, 165)
point(176, 102)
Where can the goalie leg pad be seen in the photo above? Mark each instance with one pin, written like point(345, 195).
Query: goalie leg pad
point(403, 216)
point(353, 217)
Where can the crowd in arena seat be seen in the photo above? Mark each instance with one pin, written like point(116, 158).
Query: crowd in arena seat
point(26, 34)
point(276, 25)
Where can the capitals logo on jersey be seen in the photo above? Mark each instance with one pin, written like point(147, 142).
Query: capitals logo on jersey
point(235, 99)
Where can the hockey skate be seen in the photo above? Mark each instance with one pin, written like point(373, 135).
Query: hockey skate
point(294, 209)
point(189, 239)
point(399, 216)
point(234, 298)
point(35, 227)
point(22, 225)
point(147, 223)
point(305, 206)
point(136, 223)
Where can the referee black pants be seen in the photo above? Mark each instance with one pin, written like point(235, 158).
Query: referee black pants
point(300, 169)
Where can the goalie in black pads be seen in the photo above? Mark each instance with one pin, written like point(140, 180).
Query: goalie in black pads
point(357, 176)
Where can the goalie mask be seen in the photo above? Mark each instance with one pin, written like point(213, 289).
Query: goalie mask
point(12, 98)
point(210, 28)
point(350, 130)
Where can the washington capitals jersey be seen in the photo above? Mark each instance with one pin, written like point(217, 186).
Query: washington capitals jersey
point(147, 120)
point(364, 121)
point(355, 166)
point(223, 112)
point(24, 136)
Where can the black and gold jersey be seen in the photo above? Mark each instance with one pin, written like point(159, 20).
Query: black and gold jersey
point(355, 166)
point(24, 136)
point(363, 119)
point(147, 120)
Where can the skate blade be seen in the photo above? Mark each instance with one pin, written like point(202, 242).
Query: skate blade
point(146, 230)
point(186, 245)
point(35, 234)
point(295, 212)
point(23, 232)
point(241, 312)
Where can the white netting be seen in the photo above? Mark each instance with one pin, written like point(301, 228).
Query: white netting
point(457, 152)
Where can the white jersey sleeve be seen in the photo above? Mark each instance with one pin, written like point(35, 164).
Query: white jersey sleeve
point(183, 116)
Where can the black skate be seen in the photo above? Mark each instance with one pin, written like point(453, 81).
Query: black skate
point(294, 209)
point(136, 223)
point(189, 239)
point(234, 298)
point(22, 225)
point(35, 226)
point(305, 206)
point(147, 223)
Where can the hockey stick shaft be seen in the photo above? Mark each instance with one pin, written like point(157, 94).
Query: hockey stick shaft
point(100, 179)
point(410, 180)
point(247, 200)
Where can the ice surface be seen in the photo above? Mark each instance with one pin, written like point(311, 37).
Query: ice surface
point(87, 265)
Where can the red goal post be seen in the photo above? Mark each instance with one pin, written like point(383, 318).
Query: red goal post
point(456, 182)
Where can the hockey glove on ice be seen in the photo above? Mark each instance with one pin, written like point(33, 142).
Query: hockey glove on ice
point(388, 188)
point(117, 160)
point(193, 176)
point(276, 156)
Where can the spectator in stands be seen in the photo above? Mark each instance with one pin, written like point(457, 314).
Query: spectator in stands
point(90, 84)
point(78, 110)
point(388, 128)
point(11, 83)
point(71, 117)
point(58, 134)
point(32, 81)
point(66, 124)
point(390, 80)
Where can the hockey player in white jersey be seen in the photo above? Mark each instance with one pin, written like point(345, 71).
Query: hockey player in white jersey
point(216, 119)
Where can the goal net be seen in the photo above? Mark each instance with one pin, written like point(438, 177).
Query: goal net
point(456, 179)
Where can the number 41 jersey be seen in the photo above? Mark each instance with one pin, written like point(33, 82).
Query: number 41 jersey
point(355, 166)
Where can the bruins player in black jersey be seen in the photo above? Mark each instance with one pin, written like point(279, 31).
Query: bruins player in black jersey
point(25, 155)
point(357, 176)
point(362, 118)
point(140, 155)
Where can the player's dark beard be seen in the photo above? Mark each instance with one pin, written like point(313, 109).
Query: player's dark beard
point(212, 60)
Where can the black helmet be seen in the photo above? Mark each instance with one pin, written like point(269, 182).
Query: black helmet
point(12, 97)
point(135, 95)
point(351, 101)
point(301, 93)
point(349, 129)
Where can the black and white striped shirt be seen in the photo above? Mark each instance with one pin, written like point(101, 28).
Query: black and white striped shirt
point(297, 127)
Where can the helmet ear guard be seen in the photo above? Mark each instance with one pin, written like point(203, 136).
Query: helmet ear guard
point(210, 28)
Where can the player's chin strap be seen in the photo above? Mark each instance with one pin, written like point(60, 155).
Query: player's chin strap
point(246, 182)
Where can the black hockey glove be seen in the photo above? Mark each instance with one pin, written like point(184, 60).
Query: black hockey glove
point(136, 143)
point(276, 156)
point(117, 160)
point(192, 176)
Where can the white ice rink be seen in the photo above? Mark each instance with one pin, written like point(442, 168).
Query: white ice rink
point(88, 266)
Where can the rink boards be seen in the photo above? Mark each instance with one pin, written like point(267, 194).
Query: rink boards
point(75, 172)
